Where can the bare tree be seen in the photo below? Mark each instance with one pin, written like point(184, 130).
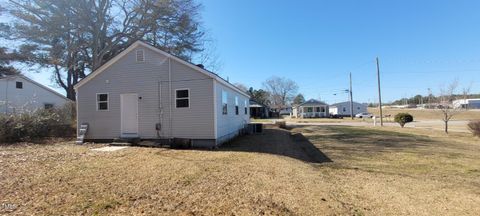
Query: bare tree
point(448, 109)
point(73, 38)
point(281, 91)
point(241, 87)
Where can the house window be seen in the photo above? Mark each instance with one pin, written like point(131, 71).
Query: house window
point(309, 109)
point(317, 109)
point(48, 106)
point(322, 109)
point(19, 85)
point(140, 56)
point(182, 98)
point(102, 101)
point(344, 109)
point(236, 105)
point(224, 103)
point(358, 108)
point(246, 107)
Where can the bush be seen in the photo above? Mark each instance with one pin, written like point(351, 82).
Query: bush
point(36, 125)
point(281, 124)
point(474, 126)
point(403, 118)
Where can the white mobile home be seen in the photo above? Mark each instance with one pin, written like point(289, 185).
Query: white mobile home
point(20, 94)
point(473, 103)
point(146, 93)
point(343, 108)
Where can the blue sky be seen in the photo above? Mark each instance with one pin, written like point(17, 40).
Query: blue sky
point(421, 45)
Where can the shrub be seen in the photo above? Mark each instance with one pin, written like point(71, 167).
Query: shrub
point(403, 118)
point(281, 124)
point(42, 123)
point(474, 126)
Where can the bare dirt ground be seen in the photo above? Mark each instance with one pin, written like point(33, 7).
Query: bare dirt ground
point(308, 170)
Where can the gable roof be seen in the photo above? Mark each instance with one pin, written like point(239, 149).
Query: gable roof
point(336, 104)
point(312, 102)
point(37, 84)
point(141, 43)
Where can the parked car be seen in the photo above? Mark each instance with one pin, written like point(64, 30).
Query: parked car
point(364, 115)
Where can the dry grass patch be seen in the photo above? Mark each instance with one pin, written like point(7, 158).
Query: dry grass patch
point(374, 172)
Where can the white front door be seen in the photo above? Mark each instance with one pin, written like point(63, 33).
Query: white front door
point(129, 115)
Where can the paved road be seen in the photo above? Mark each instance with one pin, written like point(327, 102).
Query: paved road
point(454, 126)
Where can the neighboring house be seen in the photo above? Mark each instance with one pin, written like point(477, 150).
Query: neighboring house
point(343, 108)
point(473, 103)
point(310, 109)
point(286, 111)
point(258, 110)
point(146, 93)
point(19, 94)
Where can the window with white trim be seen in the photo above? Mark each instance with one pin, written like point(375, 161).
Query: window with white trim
point(102, 101)
point(236, 106)
point(182, 98)
point(19, 85)
point(224, 103)
point(246, 107)
point(140, 55)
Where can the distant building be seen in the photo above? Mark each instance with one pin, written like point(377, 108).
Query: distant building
point(343, 108)
point(258, 110)
point(19, 94)
point(473, 103)
point(310, 109)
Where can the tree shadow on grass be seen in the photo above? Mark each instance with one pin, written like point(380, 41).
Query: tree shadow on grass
point(279, 142)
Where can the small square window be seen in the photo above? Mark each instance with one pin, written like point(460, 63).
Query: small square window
point(19, 85)
point(102, 101)
point(182, 98)
point(48, 106)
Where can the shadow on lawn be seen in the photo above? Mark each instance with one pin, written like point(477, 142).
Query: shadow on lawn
point(354, 140)
point(279, 142)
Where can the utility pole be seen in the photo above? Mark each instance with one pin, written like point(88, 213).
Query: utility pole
point(351, 97)
point(379, 94)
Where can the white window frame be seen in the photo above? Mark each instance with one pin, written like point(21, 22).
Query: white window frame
point(21, 83)
point(237, 107)
point(136, 55)
point(246, 107)
point(176, 98)
point(225, 103)
point(108, 101)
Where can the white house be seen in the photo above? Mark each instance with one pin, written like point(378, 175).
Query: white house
point(473, 103)
point(146, 93)
point(20, 94)
point(343, 108)
point(310, 109)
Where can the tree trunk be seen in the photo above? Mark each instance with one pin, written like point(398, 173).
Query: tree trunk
point(446, 127)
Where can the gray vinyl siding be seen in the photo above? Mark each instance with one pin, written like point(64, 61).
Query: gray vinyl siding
point(229, 125)
point(144, 79)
